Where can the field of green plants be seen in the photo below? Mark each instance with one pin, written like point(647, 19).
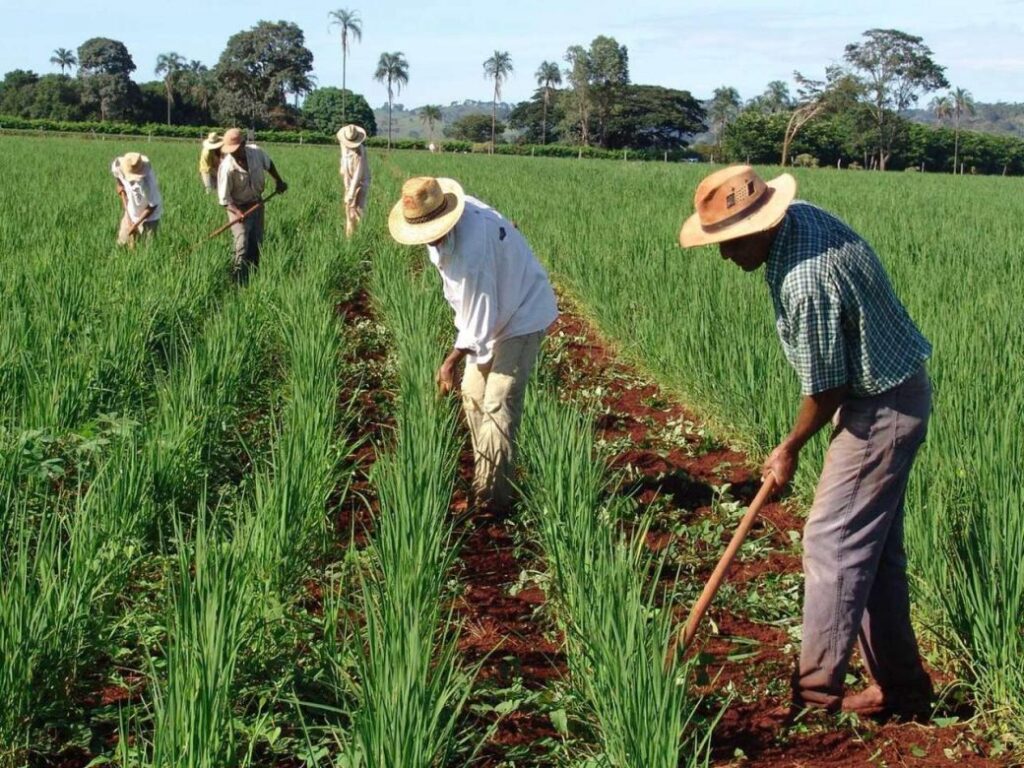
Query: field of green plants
point(199, 568)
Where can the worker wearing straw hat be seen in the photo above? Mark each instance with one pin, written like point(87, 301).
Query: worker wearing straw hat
point(860, 361)
point(355, 174)
point(140, 197)
point(241, 179)
point(503, 304)
point(209, 161)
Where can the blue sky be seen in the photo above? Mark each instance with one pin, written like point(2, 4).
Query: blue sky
point(696, 46)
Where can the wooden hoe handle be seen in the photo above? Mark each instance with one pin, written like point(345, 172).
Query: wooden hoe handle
point(687, 632)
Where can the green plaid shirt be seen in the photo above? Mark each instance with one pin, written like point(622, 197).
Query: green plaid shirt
point(835, 311)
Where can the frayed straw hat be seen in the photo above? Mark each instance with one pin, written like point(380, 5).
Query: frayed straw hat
point(212, 141)
point(133, 165)
point(735, 202)
point(233, 139)
point(351, 136)
point(429, 208)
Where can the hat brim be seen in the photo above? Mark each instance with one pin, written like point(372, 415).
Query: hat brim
point(429, 231)
point(782, 190)
point(355, 143)
point(212, 145)
point(130, 175)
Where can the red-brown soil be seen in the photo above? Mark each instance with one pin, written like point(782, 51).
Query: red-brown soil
point(751, 731)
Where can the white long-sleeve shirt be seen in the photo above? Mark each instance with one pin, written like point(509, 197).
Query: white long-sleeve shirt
point(141, 194)
point(496, 287)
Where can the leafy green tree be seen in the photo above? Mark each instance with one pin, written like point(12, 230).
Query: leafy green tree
point(105, 67)
point(325, 110)
point(775, 98)
point(258, 68)
point(64, 58)
point(393, 72)
point(170, 66)
point(56, 97)
point(838, 92)
point(723, 109)
point(652, 117)
point(497, 68)
point(350, 26)
point(580, 103)
point(539, 118)
point(895, 68)
point(430, 115)
point(609, 76)
point(475, 127)
point(548, 75)
point(17, 92)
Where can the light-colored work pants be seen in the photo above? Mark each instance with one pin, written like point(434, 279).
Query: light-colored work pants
point(855, 567)
point(146, 228)
point(248, 235)
point(354, 213)
point(494, 408)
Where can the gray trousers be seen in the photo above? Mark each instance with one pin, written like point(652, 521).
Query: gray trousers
point(248, 236)
point(494, 407)
point(855, 567)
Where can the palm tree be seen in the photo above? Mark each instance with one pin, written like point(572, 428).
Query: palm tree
point(169, 65)
point(548, 74)
point(64, 59)
point(393, 70)
point(963, 102)
point(942, 107)
point(429, 115)
point(350, 24)
point(497, 68)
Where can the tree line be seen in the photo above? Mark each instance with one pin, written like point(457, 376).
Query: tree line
point(853, 116)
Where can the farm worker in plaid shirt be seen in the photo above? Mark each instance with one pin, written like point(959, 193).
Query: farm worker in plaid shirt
point(503, 305)
point(241, 179)
point(140, 197)
point(860, 361)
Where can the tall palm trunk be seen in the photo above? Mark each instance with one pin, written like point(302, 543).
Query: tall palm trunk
point(344, 63)
point(956, 145)
point(389, 115)
point(494, 113)
point(544, 120)
point(170, 98)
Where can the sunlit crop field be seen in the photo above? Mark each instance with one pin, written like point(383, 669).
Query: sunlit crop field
point(175, 452)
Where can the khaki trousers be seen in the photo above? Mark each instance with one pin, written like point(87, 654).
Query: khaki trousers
point(146, 228)
point(248, 236)
point(494, 407)
point(855, 567)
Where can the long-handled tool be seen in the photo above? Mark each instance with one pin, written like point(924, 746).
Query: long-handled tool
point(686, 633)
point(231, 223)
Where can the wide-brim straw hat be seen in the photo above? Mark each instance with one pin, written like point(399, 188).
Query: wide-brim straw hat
point(427, 211)
point(735, 202)
point(351, 136)
point(233, 139)
point(133, 165)
point(212, 141)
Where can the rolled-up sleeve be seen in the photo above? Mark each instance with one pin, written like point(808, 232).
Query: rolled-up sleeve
point(223, 191)
point(818, 346)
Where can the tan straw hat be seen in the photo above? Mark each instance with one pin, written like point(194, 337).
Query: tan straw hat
point(233, 139)
point(212, 141)
point(429, 208)
point(351, 136)
point(133, 165)
point(735, 202)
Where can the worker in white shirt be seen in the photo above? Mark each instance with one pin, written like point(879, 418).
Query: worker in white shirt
point(140, 197)
point(241, 178)
point(503, 305)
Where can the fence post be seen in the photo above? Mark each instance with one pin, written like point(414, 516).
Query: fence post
point(666, 155)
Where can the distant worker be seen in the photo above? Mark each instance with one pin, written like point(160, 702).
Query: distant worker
point(209, 161)
point(503, 305)
point(432, 147)
point(241, 179)
point(141, 203)
point(355, 175)
point(860, 361)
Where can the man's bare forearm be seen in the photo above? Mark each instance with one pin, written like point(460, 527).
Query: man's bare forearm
point(815, 412)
